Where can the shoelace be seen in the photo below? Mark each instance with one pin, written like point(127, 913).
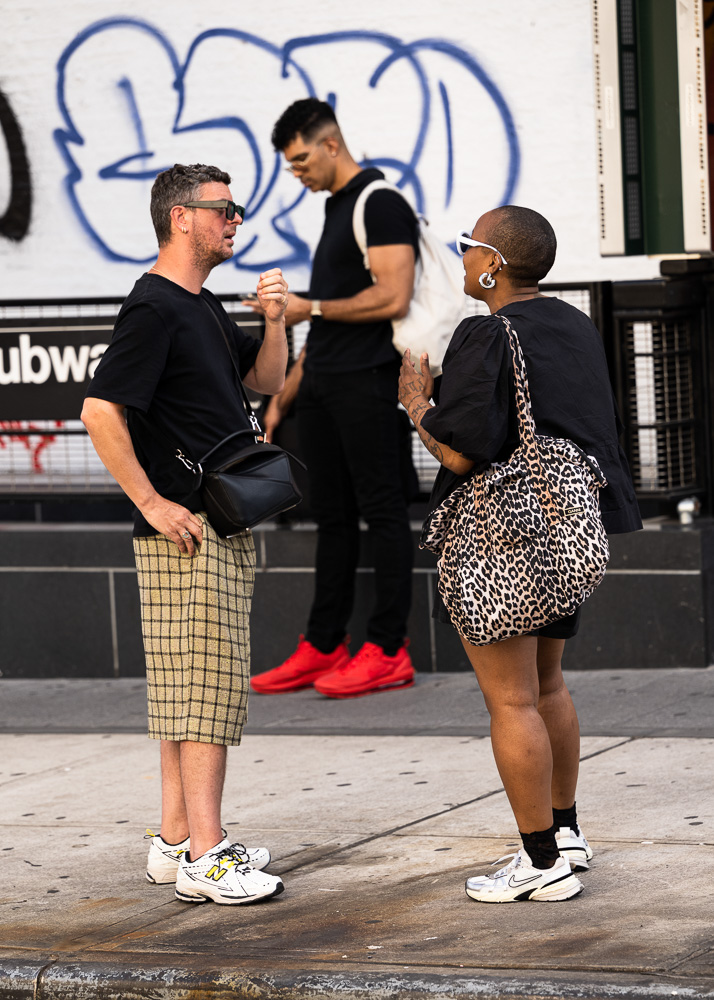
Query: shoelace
point(235, 854)
point(515, 863)
point(369, 657)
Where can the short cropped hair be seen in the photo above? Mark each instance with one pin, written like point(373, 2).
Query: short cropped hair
point(175, 186)
point(527, 241)
point(305, 118)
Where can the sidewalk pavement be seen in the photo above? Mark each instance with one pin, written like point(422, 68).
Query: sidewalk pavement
point(375, 810)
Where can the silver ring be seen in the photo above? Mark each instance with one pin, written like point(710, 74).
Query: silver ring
point(185, 534)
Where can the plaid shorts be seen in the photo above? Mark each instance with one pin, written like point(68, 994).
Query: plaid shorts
point(195, 622)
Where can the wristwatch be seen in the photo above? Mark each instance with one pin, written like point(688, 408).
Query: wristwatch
point(316, 308)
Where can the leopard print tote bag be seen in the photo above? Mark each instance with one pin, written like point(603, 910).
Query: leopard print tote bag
point(521, 544)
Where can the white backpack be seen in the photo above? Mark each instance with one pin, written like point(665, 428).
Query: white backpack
point(438, 302)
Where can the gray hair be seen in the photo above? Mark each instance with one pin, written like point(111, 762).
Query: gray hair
point(175, 186)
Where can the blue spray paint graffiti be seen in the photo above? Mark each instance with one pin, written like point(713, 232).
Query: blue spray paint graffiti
point(421, 65)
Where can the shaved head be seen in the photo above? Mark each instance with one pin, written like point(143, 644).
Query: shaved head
point(526, 239)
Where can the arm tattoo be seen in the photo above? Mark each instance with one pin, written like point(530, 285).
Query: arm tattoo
point(433, 446)
point(416, 412)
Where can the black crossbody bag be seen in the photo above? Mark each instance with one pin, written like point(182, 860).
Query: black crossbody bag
point(252, 485)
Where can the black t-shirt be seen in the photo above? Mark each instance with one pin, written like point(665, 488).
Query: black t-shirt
point(338, 272)
point(168, 359)
point(571, 397)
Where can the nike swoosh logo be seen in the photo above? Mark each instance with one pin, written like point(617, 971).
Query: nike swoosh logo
point(514, 882)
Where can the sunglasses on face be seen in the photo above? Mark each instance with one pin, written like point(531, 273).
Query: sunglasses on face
point(464, 241)
point(230, 206)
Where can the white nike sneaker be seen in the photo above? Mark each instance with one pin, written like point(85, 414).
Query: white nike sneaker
point(519, 880)
point(221, 875)
point(574, 847)
point(163, 860)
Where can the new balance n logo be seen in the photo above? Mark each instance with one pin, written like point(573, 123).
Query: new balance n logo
point(216, 873)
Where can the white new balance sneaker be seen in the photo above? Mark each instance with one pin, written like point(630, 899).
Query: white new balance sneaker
point(519, 880)
point(163, 860)
point(574, 847)
point(221, 875)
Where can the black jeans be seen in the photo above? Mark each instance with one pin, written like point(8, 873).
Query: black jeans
point(352, 441)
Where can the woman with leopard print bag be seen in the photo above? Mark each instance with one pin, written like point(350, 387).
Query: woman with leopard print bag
point(532, 475)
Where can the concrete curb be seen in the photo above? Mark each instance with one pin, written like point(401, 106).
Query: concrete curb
point(54, 980)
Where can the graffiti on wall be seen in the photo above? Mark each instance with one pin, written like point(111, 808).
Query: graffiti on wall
point(28, 435)
point(131, 107)
point(130, 104)
point(15, 221)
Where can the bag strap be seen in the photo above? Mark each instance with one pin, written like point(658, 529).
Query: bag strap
point(182, 455)
point(244, 396)
point(359, 228)
point(230, 437)
point(526, 423)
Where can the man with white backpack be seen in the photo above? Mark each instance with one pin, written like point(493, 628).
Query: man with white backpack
point(351, 431)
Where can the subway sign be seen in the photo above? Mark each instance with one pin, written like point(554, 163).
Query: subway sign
point(45, 366)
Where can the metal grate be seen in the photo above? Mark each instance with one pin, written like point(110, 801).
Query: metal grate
point(660, 385)
point(45, 457)
point(51, 458)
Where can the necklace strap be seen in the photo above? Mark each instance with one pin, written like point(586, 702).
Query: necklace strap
point(157, 271)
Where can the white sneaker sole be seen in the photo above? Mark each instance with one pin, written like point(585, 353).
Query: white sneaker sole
point(207, 897)
point(168, 880)
point(559, 891)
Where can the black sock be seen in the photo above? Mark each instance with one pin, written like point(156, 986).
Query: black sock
point(541, 847)
point(566, 817)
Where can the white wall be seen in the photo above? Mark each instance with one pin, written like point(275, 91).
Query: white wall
point(104, 104)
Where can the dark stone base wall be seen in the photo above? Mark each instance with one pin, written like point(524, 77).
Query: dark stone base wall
point(69, 603)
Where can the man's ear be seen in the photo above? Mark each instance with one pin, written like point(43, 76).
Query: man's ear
point(179, 217)
point(332, 145)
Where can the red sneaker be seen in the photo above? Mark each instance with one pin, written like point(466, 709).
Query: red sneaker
point(370, 670)
point(300, 669)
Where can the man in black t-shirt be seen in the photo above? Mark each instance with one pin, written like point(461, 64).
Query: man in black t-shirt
point(353, 437)
point(169, 368)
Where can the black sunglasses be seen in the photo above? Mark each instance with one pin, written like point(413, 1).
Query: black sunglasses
point(230, 206)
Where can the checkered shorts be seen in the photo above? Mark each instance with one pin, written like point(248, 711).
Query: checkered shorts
point(195, 622)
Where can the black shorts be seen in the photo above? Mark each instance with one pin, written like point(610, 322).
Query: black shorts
point(564, 628)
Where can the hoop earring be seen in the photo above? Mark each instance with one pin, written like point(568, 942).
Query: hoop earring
point(486, 280)
point(183, 230)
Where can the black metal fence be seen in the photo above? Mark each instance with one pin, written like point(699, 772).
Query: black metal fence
point(655, 333)
point(663, 379)
point(48, 351)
